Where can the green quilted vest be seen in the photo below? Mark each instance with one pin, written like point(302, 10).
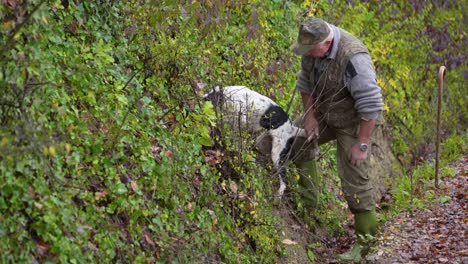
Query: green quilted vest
point(333, 102)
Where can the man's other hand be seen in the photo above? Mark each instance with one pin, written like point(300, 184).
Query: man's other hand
point(356, 156)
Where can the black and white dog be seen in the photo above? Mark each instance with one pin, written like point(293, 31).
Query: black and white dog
point(256, 112)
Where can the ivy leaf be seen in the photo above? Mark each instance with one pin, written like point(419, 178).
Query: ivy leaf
point(91, 98)
point(205, 140)
point(311, 255)
point(204, 137)
point(121, 189)
point(445, 199)
point(121, 98)
point(208, 110)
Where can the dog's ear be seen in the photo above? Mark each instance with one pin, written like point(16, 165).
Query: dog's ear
point(273, 117)
point(215, 96)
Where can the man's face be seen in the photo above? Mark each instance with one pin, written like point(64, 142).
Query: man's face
point(318, 50)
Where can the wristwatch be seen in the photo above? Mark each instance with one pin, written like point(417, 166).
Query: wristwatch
point(363, 147)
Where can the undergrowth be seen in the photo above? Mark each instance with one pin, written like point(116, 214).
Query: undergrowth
point(416, 189)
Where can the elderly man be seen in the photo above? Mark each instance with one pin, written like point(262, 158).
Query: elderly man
point(342, 102)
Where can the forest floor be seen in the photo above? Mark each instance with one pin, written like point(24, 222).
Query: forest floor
point(436, 234)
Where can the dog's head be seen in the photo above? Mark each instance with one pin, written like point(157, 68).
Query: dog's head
point(295, 147)
point(287, 137)
point(293, 144)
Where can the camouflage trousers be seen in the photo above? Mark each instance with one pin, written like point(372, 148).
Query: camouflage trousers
point(355, 181)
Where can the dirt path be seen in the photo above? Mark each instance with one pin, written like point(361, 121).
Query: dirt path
point(438, 234)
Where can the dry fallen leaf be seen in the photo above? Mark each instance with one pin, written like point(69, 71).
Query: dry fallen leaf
point(42, 249)
point(38, 205)
point(233, 187)
point(213, 157)
point(11, 4)
point(289, 242)
point(214, 223)
point(134, 186)
point(32, 193)
point(148, 239)
point(102, 194)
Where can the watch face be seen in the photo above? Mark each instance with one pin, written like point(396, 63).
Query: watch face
point(363, 147)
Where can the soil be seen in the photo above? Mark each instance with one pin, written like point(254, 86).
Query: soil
point(294, 236)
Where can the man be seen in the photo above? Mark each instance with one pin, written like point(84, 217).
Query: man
point(341, 101)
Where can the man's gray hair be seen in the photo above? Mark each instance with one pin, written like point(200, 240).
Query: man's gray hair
point(330, 36)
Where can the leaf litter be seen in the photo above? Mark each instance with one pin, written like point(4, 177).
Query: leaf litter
point(435, 235)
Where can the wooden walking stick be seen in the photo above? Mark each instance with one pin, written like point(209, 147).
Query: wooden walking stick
point(442, 71)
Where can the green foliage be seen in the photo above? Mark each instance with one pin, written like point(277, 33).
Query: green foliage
point(405, 195)
point(454, 147)
point(102, 132)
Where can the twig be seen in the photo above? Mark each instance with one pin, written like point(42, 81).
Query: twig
point(124, 119)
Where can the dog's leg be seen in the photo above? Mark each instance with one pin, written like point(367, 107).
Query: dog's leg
point(276, 151)
point(283, 181)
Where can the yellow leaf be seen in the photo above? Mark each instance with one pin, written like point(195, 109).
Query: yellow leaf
point(223, 185)
point(67, 147)
point(52, 151)
point(381, 84)
point(385, 107)
point(4, 141)
point(8, 25)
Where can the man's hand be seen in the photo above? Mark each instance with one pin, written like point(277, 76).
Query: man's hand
point(309, 121)
point(356, 156)
point(311, 128)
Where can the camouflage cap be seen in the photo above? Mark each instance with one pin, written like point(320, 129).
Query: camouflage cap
point(311, 31)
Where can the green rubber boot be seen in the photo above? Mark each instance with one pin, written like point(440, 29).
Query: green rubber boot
point(309, 183)
point(365, 225)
